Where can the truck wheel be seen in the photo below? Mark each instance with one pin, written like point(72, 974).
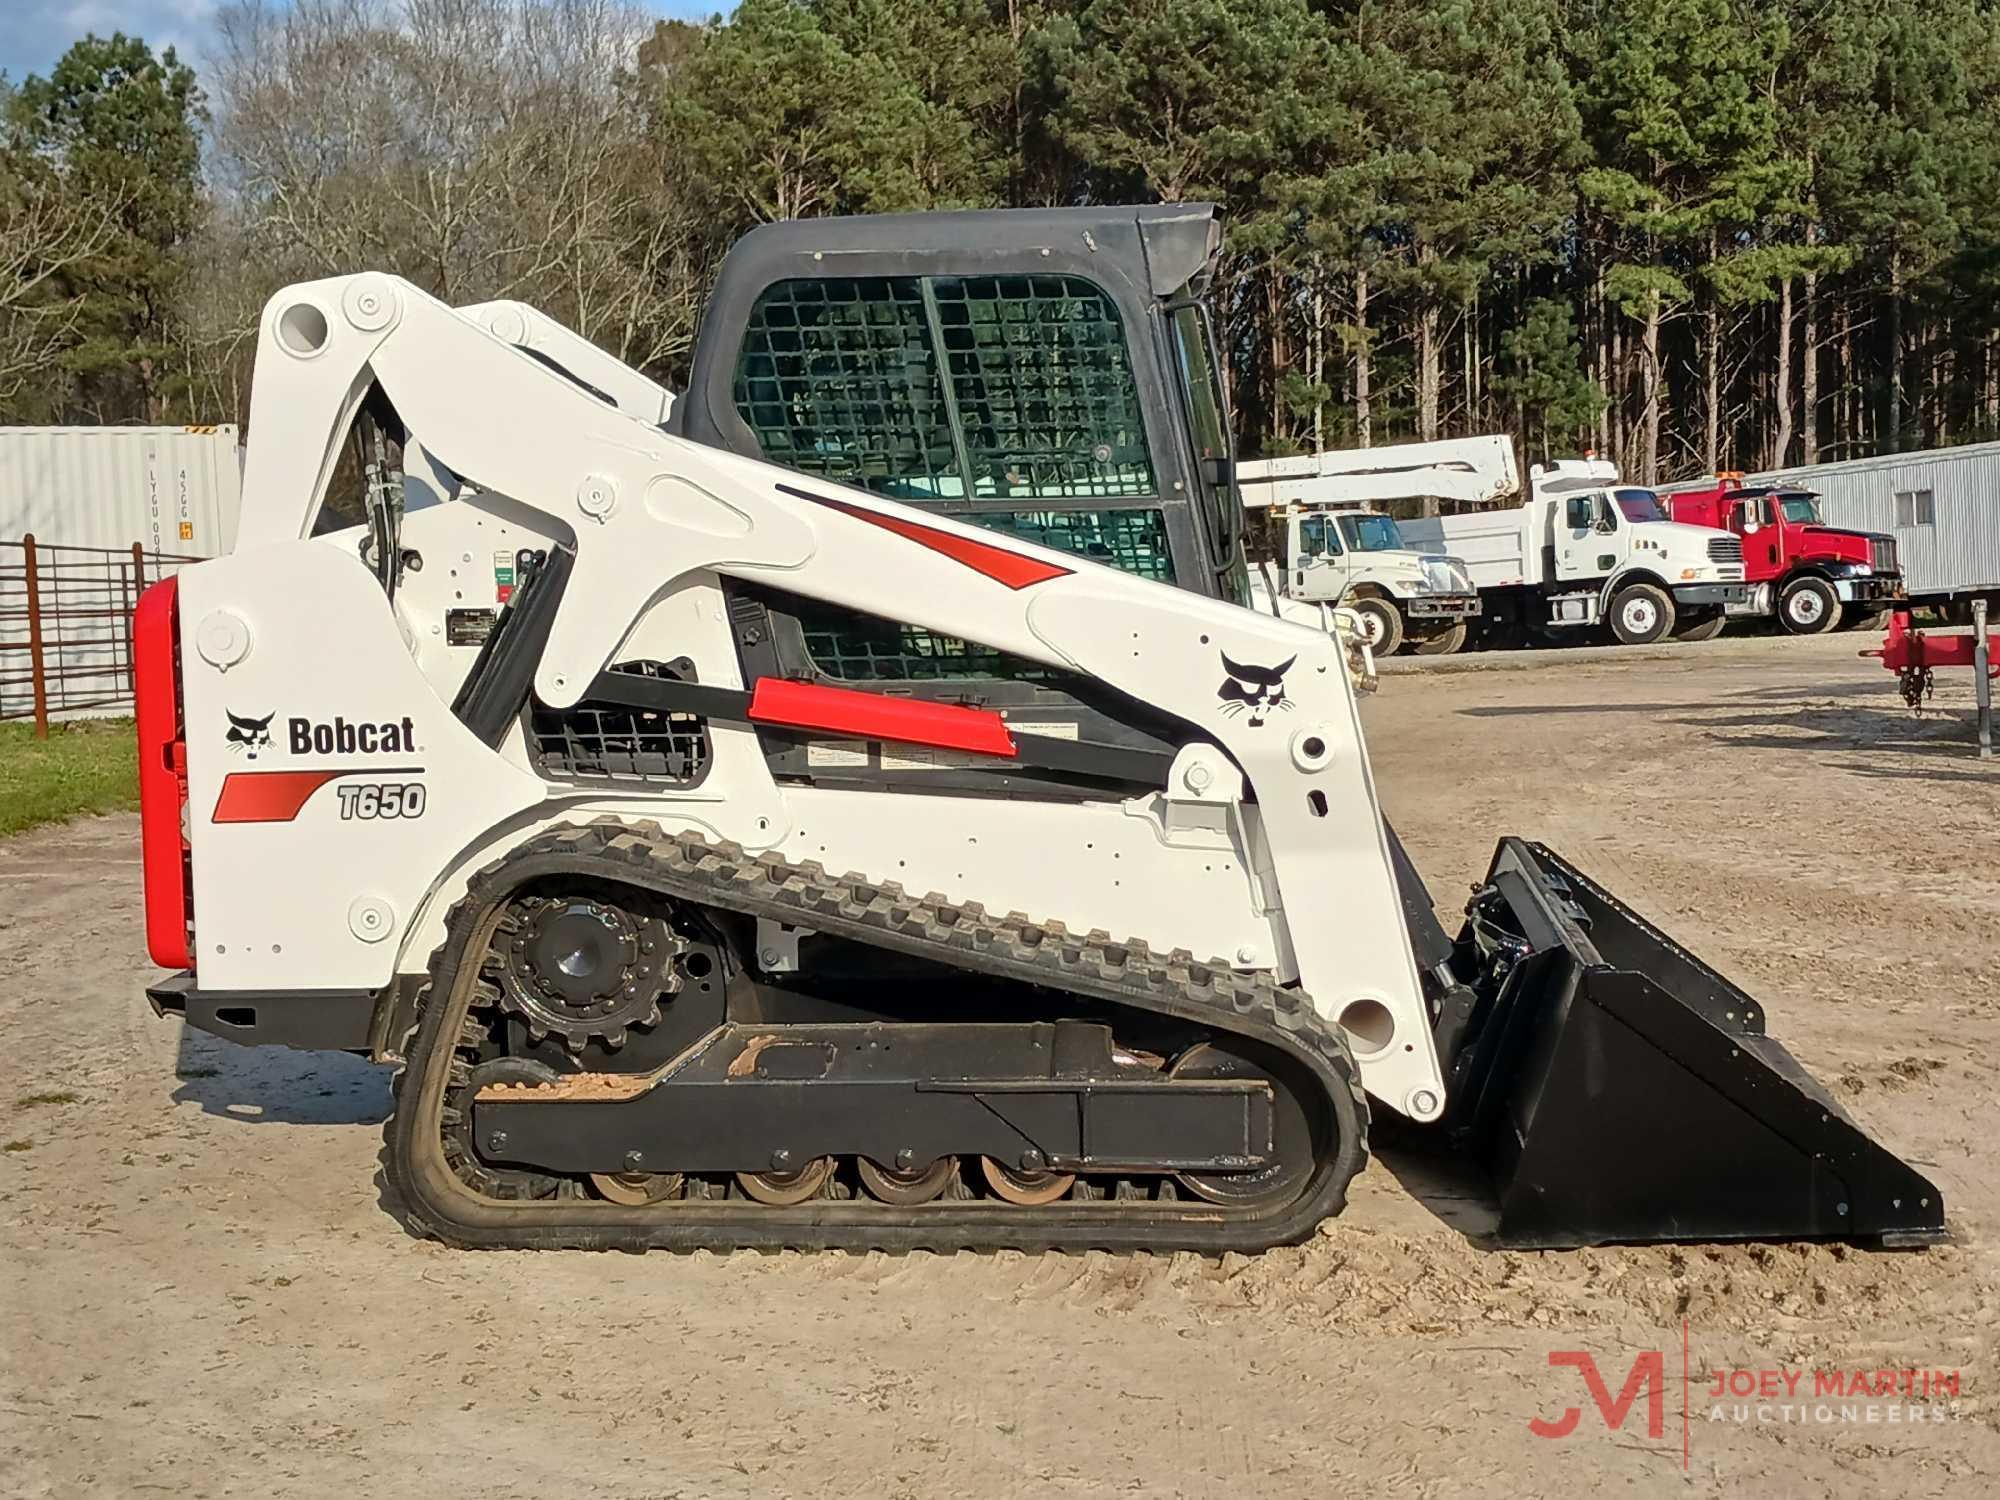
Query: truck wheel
point(1444, 643)
point(1384, 624)
point(1642, 613)
point(1808, 607)
point(1701, 630)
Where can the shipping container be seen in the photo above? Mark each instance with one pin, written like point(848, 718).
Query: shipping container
point(88, 496)
point(170, 489)
point(1942, 505)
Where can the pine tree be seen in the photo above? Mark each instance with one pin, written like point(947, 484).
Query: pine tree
point(122, 128)
point(1473, 130)
point(1541, 375)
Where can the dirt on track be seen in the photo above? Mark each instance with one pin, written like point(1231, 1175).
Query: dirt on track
point(206, 1294)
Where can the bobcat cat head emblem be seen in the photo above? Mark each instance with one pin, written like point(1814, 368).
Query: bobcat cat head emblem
point(1249, 688)
point(248, 734)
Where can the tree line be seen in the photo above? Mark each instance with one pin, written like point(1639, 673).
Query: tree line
point(1690, 234)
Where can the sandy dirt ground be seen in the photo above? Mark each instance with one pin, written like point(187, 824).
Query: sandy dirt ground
point(204, 1293)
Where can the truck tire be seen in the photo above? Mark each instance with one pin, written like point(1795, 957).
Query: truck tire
point(1808, 606)
point(1445, 643)
point(1641, 613)
point(1384, 623)
point(1701, 630)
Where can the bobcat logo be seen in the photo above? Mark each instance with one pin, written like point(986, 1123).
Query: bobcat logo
point(248, 734)
point(1253, 688)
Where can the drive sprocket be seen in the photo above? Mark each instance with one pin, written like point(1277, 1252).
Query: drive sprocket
point(580, 970)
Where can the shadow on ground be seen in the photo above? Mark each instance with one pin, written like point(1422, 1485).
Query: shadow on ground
point(1944, 733)
point(278, 1086)
point(1882, 687)
point(1454, 1191)
point(1528, 710)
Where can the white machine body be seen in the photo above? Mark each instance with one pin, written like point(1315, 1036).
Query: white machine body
point(1265, 849)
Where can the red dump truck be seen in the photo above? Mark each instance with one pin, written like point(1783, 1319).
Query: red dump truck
point(1812, 576)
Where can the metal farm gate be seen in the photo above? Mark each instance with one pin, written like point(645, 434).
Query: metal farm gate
point(66, 627)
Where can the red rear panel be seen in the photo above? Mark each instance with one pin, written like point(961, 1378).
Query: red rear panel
point(162, 775)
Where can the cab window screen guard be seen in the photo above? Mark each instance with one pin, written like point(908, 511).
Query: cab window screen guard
point(1007, 401)
point(947, 388)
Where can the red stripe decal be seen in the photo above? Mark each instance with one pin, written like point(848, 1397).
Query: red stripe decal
point(872, 716)
point(997, 563)
point(267, 796)
point(162, 776)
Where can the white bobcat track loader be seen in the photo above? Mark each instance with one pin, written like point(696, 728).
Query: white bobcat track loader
point(733, 856)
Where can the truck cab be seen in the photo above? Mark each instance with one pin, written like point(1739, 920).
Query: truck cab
point(1360, 558)
point(1647, 574)
point(1812, 576)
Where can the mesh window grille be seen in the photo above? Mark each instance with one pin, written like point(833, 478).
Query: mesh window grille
point(1044, 388)
point(840, 378)
point(1135, 540)
point(868, 649)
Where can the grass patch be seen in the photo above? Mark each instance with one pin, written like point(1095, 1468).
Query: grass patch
point(18, 1146)
point(82, 768)
point(63, 1096)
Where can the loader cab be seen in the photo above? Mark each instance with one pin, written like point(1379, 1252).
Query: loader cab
point(1051, 374)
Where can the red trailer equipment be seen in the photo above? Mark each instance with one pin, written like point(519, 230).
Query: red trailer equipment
point(1912, 655)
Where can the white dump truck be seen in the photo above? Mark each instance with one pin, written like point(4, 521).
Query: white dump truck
point(1587, 549)
point(1340, 548)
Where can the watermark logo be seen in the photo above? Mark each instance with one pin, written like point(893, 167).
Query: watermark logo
point(1750, 1395)
point(1648, 1374)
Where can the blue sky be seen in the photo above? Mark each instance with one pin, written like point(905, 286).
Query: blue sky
point(34, 33)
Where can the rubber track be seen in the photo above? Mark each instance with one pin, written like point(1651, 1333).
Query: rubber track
point(686, 867)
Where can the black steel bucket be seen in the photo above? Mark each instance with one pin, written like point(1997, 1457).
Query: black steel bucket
point(1616, 1088)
